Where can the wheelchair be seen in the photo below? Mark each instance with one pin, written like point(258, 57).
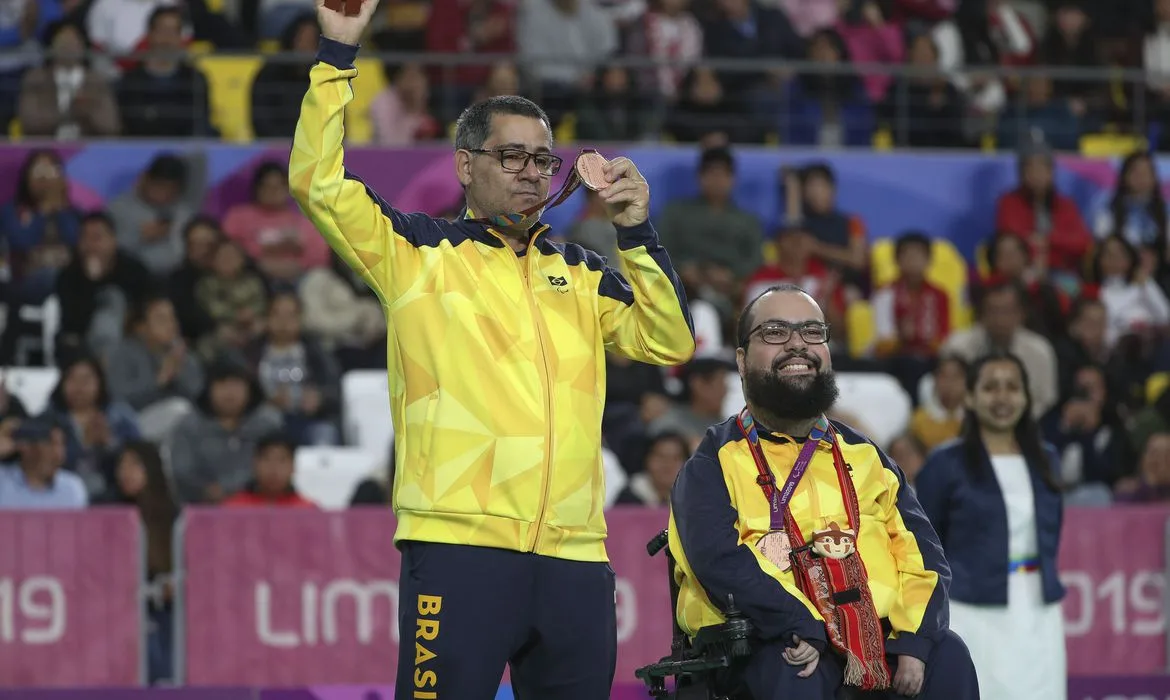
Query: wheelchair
point(705, 668)
point(701, 668)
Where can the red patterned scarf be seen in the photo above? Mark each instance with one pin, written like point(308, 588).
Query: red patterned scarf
point(829, 570)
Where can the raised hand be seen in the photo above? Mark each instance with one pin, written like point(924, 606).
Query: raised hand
point(341, 27)
point(628, 197)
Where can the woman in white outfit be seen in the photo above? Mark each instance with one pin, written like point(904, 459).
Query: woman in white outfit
point(992, 496)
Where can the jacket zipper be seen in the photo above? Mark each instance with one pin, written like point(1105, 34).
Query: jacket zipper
point(525, 271)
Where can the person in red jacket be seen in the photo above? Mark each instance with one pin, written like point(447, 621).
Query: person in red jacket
point(271, 485)
point(1045, 218)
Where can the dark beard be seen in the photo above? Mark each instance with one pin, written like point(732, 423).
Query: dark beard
point(789, 400)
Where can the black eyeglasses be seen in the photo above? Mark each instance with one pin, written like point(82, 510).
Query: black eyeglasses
point(514, 160)
point(779, 332)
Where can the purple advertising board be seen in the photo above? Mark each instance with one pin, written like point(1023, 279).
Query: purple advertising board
point(301, 598)
point(69, 590)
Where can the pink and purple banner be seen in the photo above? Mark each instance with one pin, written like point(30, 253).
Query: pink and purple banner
point(301, 598)
point(70, 612)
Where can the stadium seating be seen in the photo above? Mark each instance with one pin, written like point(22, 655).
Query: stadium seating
point(365, 411)
point(32, 385)
point(948, 271)
point(328, 476)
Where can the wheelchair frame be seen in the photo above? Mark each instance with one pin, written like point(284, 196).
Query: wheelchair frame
point(699, 667)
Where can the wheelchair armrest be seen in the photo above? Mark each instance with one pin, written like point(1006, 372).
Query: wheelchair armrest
point(733, 637)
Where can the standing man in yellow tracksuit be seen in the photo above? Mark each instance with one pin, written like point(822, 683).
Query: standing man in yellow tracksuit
point(497, 341)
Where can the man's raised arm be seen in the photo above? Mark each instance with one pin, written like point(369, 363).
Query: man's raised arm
point(373, 238)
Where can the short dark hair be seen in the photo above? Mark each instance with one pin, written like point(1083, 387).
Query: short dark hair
point(160, 12)
point(168, 167)
point(474, 125)
point(716, 156)
point(275, 440)
point(912, 238)
point(745, 317)
point(99, 217)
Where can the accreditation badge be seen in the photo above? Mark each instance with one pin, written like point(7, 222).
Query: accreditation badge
point(775, 547)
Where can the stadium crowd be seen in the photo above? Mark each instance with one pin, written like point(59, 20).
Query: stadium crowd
point(197, 354)
point(580, 59)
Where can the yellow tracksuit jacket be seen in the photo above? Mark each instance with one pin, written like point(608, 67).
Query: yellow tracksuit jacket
point(719, 513)
point(496, 361)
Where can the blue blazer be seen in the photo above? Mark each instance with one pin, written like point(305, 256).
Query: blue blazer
point(971, 521)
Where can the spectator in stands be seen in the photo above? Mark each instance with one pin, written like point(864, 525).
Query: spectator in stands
point(563, 43)
point(670, 33)
point(795, 264)
point(504, 79)
point(280, 85)
point(343, 313)
point(41, 225)
point(153, 370)
point(994, 499)
point(715, 244)
point(1040, 112)
point(635, 397)
point(613, 109)
point(97, 288)
point(825, 107)
point(665, 457)
point(1152, 485)
point(593, 230)
point(911, 316)
point(909, 454)
point(1000, 327)
point(21, 24)
point(66, 98)
point(469, 27)
point(924, 110)
point(747, 29)
point(164, 96)
point(1043, 217)
point(983, 34)
point(273, 464)
point(939, 417)
point(273, 231)
point(120, 27)
point(1010, 259)
point(1149, 421)
point(1085, 342)
point(1156, 62)
point(201, 236)
point(704, 111)
point(234, 297)
point(298, 377)
point(840, 239)
point(1135, 210)
point(150, 217)
point(12, 412)
point(37, 481)
point(139, 481)
point(211, 449)
point(810, 16)
point(1072, 42)
point(870, 39)
point(1090, 440)
point(94, 422)
point(400, 113)
point(1134, 303)
point(704, 391)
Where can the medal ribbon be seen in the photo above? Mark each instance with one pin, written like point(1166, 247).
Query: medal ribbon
point(767, 481)
point(570, 185)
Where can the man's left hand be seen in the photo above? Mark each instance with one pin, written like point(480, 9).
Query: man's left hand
point(910, 676)
point(628, 199)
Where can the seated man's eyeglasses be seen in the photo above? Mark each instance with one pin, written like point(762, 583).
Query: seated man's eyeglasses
point(779, 332)
point(514, 160)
